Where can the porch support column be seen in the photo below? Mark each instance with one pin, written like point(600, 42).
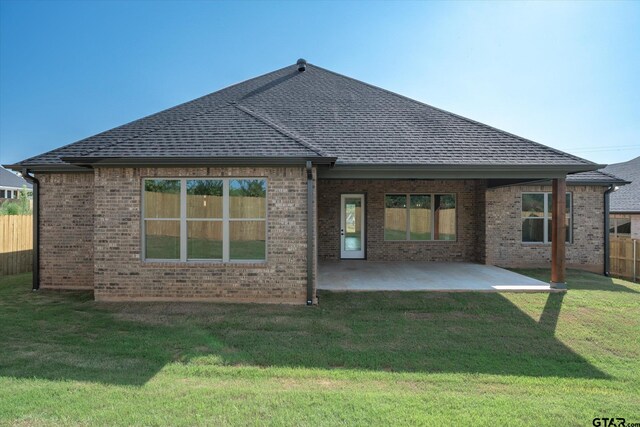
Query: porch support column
point(558, 233)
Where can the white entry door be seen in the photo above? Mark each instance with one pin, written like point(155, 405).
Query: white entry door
point(352, 235)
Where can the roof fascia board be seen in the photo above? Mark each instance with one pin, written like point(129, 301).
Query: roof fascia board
point(48, 168)
point(621, 212)
point(199, 161)
point(9, 187)
point(598, 182)
point(447, 171)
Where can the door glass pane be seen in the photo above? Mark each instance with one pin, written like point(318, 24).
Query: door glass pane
point(204, 198)
point(420, 217)
point(395, 217)
point(204, 239)
point(444, 217)
point(248, 198)
point(352, 224)
point(161, 198)
point(247, 240)
point(162, 239)
point(533, 230)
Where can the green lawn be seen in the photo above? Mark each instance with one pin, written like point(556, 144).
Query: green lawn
point(357, 359)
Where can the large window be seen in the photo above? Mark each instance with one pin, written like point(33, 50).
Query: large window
point(420, 217)
point(205, 219)
point(620, 226)
point(537, 217)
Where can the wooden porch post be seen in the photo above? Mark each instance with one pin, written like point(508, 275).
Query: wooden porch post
point(558, 233)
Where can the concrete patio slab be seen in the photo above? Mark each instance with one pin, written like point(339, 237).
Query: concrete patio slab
point(362, 275)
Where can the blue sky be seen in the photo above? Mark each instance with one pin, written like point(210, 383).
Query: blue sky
point(563, 74)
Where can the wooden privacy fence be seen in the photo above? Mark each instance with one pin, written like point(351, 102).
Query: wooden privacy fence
point(624, 257)
point(396, 219)
point(163, 205)
point(16, 244)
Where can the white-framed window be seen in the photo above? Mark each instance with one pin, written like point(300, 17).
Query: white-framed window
point(420, 217)
point(537, 217)
point(620, 226)
point(204, 219)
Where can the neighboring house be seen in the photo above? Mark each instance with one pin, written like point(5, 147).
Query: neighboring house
point(11, 184)
point(625, 202)
point(236, 196)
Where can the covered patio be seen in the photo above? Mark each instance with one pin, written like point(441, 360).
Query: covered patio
point(361, 275)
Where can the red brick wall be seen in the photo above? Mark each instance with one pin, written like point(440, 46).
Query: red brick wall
point(66, 230)
point(470, 220)
point(504, 245)
point(120, 273)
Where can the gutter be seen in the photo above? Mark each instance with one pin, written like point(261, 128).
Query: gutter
point(610, 190)
point(36, 227)
point(200, 161)
point(309, 233)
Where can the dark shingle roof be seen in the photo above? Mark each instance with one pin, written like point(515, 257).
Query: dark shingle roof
point(627, 198)
point(315, 113)
point(8, 179)
point(597, 177)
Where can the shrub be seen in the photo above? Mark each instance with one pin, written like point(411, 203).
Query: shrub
point(21, 206)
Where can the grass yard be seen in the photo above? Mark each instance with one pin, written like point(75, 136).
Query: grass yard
point(358, 359)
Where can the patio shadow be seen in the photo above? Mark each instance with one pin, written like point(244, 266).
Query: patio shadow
point(580, 280)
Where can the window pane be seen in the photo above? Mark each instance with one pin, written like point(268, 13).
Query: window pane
point(532, 205)
point(161, 198)
point(247, 198)
point(420, 217)
point(623, 226)
point(204, 198)
point(247, 240)
point(395, 217)
point(567, 207)
point(204, 239)
point(444, 217)
point(567, 224)
point(162, 239)
point(533, 230)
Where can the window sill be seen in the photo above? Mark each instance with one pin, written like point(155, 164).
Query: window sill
point(439, 242)
point(542, 244)
point(203, 264)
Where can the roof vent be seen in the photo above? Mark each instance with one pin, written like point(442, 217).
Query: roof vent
point(302, 64)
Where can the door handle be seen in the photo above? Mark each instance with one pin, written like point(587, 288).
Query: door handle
point(342, 231)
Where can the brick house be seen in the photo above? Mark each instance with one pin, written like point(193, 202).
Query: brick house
point(236, 196)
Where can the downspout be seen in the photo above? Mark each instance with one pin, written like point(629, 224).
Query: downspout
point(310, 216)
point(610, 190)
point(36, 227)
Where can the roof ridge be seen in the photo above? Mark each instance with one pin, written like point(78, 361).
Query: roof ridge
point(602, 171)
point(297, 138)
point(451, 114)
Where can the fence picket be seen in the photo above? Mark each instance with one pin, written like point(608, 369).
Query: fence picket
point(16, 244)
point(624, 259)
